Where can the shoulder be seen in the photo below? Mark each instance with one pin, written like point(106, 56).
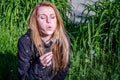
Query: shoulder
point(25, 38)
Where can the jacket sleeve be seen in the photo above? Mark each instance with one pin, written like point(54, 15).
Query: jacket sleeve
point(61, 75)
point(23, 57)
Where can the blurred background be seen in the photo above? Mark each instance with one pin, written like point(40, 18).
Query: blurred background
point(94, 29)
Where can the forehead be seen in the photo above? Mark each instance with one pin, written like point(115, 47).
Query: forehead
point(45, 10)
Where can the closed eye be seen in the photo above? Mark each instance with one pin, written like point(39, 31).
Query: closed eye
point(43, 17)
point(53, 16)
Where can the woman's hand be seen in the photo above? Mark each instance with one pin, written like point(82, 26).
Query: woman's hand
point(46, 59)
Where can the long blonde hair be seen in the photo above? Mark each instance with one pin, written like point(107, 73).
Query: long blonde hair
point(61, 53)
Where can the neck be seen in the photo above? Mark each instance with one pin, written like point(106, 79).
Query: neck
point(46, 39)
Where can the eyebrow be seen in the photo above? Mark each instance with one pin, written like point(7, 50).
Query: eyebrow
point(45, 14)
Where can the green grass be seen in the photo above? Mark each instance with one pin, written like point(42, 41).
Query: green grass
point(95, 42)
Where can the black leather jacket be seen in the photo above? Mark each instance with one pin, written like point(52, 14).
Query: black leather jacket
point(29, 67)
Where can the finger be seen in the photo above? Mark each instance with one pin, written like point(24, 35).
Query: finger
point(43, 63)
point(47, 59)
point(47, 63)
point(50, 62)
point(45, 55)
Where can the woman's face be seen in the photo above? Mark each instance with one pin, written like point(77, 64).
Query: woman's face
point(46, 19)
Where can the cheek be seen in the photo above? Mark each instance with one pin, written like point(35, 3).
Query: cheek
point(54, 23)
point(40, 23)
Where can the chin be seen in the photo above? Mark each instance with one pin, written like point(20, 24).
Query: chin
point(50, 32)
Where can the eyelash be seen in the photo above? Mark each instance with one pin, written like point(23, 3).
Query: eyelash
point(52, 17)
point(42, 17)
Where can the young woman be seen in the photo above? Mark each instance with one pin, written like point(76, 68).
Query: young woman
point(44, 50)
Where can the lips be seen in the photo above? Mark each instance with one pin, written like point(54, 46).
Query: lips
point(49, 28)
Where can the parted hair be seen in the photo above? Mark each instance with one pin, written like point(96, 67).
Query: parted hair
point(60, 48)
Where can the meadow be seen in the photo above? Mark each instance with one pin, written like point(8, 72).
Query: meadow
point(95, 39)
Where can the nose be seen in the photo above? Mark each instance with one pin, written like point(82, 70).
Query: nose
point(48, 20)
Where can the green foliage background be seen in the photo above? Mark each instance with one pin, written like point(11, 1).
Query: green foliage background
point(95, 40)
